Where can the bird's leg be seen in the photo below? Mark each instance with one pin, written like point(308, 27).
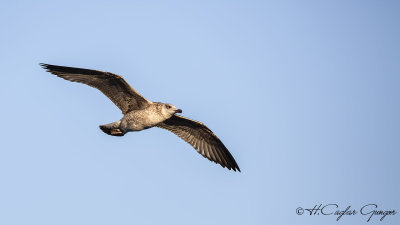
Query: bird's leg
point(116, 132)
point(113, 129)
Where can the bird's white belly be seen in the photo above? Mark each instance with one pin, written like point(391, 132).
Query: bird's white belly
point(140, 120)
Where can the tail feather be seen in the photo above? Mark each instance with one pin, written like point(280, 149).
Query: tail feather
point(112, 129)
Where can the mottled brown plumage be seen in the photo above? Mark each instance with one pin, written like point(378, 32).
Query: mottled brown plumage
point(112, 85)
point(201, 138)
point(140, 113)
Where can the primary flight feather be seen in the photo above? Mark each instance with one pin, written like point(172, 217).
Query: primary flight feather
point(140, 113)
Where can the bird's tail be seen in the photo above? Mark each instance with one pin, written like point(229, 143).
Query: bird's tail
point(113, 129)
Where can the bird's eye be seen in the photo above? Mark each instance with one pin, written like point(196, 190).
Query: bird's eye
point(168, 106)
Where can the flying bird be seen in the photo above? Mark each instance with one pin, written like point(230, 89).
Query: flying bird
point(140, 113)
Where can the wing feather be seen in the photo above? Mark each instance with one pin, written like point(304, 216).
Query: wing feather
point(111, 85)
point(202, 139)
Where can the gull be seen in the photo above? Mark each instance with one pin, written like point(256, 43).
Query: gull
point(140, 113)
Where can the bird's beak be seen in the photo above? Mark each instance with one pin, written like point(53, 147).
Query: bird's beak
point(178, 111)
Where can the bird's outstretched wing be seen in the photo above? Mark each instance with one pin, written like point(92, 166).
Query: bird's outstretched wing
point(112, 85)
point(202, 139)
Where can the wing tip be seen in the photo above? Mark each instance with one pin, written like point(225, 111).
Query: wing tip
point(229, 167)
point(45, 66)
point(236, 169)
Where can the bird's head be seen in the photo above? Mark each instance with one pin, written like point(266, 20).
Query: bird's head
point(168, 110)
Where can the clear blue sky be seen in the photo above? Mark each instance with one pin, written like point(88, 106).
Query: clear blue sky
point(305, 94)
